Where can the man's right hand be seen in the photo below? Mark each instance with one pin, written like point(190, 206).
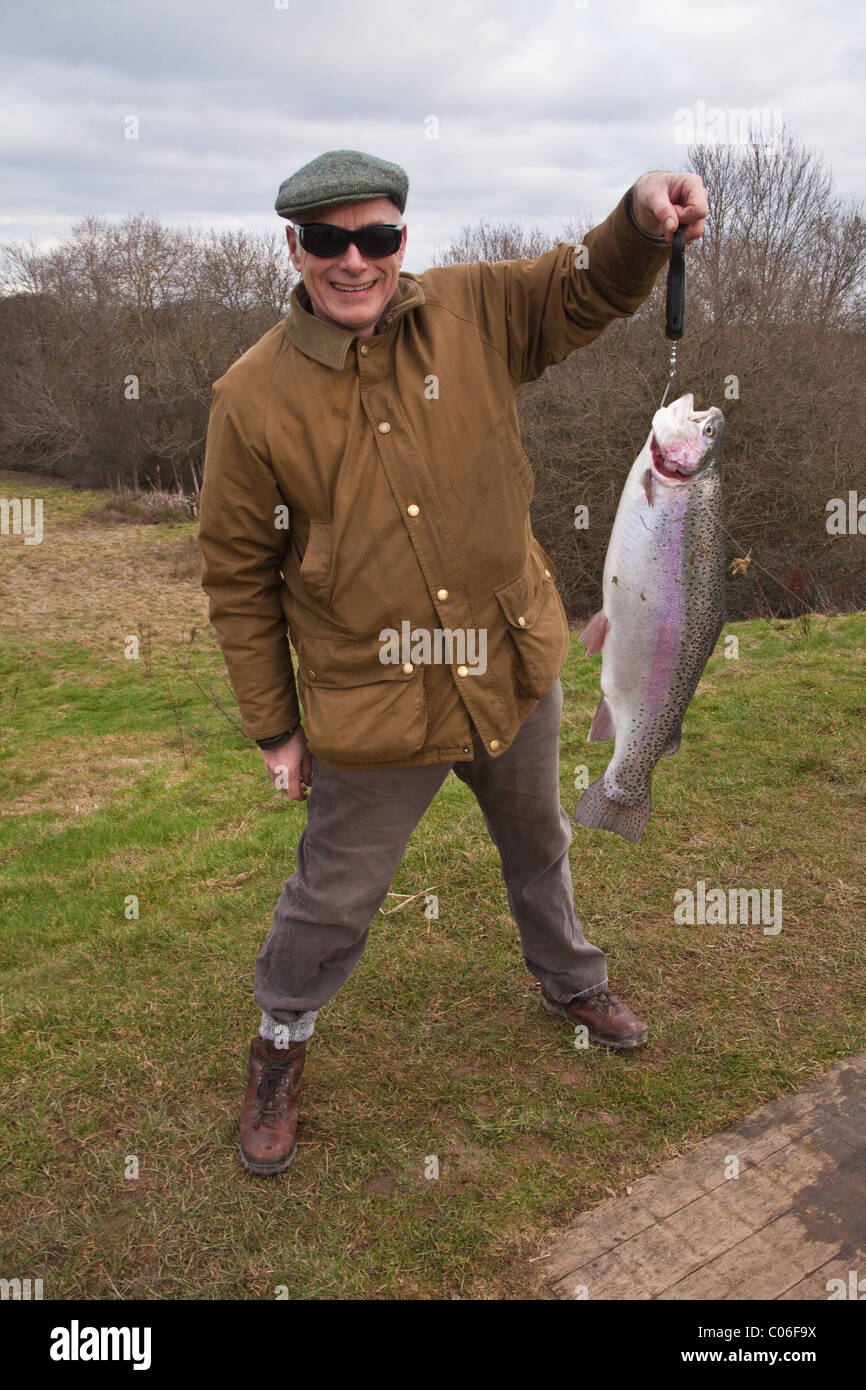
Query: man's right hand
point(289, 766)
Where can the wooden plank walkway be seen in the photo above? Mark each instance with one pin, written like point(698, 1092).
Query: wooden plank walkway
point(793, 1218)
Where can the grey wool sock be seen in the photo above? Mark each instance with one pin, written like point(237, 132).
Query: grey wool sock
point(283, 1034)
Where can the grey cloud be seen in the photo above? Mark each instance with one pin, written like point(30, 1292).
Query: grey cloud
point(545, 110)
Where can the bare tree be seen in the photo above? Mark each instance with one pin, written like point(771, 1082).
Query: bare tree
point(780, 246)
point(773, 335)
point(111, 340)
point(115, 337)
point(495, 241)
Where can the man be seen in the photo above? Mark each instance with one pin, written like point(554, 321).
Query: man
point(364, 477)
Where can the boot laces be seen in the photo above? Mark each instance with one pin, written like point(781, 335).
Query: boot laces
point(274, 1078)
point(602, 1001)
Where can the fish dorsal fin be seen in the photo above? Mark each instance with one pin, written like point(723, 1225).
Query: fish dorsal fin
point(594, 633)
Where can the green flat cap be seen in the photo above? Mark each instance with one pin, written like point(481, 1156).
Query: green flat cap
point(341, 176)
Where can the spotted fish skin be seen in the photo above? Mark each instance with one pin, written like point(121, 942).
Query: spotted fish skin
point(662, 612)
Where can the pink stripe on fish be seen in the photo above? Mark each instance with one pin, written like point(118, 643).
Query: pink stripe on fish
point(669, 626)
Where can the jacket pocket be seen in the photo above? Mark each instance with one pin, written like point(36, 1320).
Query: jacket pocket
point(358, 709)
point(512, 450)
point(537, 624)
point(317, 566)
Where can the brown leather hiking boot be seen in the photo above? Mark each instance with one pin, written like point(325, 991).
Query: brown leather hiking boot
point(269, 1118)
point(607, 1018)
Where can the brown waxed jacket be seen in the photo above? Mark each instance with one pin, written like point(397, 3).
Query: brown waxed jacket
point(399, 460)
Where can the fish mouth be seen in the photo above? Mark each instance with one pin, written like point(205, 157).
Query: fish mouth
point(660, 464)
point(684, 441)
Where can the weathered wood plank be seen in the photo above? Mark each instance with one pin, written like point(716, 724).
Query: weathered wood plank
point(813, 1287)
point(692, 1231)
point(760, 1268)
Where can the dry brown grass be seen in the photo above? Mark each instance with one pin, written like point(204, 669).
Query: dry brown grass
point(96, 583)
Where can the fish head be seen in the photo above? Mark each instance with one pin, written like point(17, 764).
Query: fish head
point(685, 443)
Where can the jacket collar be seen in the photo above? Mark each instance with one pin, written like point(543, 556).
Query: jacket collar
point(329, 345)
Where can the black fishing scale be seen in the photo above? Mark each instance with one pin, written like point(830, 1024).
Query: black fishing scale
point(675, 302)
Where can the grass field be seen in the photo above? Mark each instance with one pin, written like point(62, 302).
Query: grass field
point(128, 1037)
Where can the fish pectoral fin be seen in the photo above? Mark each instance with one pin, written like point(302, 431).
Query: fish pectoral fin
point(673, 743)
point(602, 725)
point(594, 633)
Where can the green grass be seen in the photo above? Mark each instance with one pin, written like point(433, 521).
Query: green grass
point(129, 1037)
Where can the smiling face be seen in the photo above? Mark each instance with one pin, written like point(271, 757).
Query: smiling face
point(349, 291)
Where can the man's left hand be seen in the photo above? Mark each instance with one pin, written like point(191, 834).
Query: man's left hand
point(663, 200)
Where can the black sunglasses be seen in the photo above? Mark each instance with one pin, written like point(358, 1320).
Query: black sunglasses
point(325, 240)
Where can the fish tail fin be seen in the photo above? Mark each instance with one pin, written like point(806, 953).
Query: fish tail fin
point(598, 811)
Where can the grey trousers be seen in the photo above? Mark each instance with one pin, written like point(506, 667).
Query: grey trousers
point(358, 825)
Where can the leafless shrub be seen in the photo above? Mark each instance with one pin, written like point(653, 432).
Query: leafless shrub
point(147, 507)
point(110, 343)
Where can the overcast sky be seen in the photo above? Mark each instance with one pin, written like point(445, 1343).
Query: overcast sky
point(546, 109)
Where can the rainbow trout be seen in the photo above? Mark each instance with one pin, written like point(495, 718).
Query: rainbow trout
point(663, 609)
